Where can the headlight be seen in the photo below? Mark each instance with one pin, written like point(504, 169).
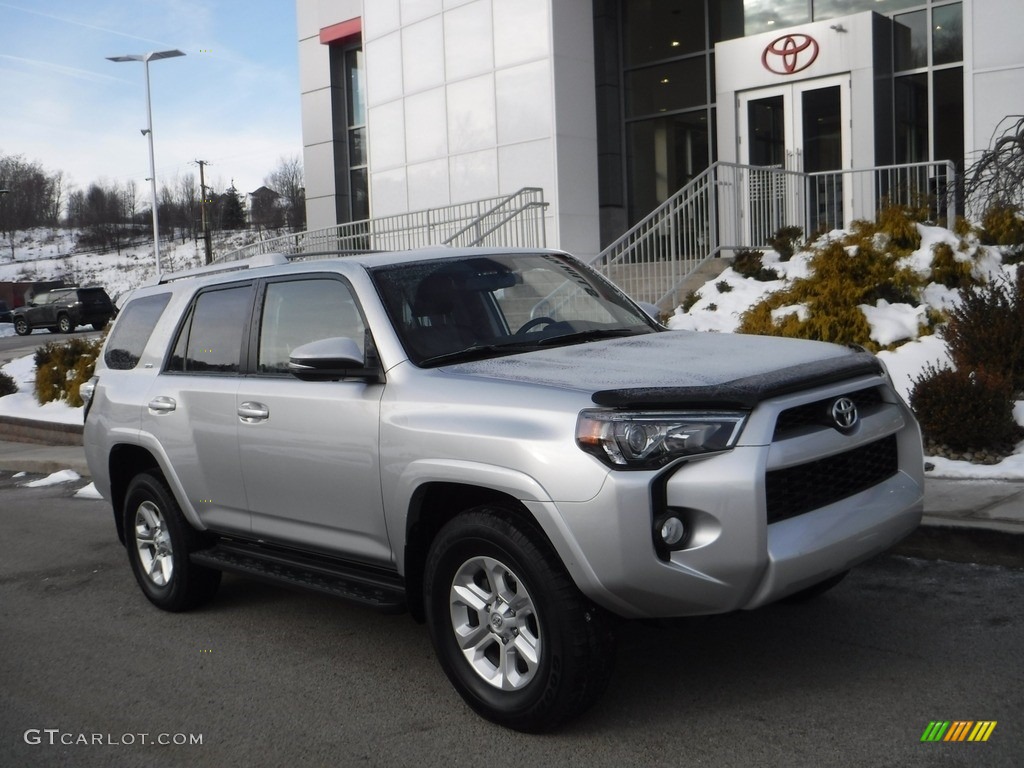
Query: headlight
point(648, 440)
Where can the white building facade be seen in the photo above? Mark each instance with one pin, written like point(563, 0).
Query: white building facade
point(610, 106)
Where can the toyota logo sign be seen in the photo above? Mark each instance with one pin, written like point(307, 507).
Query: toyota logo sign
point(789, 54)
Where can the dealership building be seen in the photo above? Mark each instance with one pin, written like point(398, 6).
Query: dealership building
point(611, 107)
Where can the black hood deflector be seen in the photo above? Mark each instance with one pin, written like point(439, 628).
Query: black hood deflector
point(747, 392)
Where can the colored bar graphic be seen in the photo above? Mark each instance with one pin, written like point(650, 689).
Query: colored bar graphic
point(935, 731)
point(959, 730)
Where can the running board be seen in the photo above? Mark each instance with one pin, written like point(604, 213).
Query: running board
point(375, 587)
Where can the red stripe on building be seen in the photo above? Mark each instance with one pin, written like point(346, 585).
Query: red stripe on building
point(337, 33)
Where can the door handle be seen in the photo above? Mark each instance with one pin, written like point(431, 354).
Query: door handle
point(251, 412)
point(162, 404)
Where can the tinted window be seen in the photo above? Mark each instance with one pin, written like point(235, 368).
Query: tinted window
point(210, 341)
point(132, 331)
point(299, 311)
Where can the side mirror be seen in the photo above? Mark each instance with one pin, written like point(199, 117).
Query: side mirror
point(329, 359)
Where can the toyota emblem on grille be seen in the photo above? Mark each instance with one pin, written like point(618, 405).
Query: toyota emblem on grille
point(844, 414)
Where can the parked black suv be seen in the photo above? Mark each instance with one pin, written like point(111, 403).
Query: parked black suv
point(5, 313)
point(64, 309)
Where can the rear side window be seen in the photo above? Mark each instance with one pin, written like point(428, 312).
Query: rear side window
point(210, 340)
point(132, 331)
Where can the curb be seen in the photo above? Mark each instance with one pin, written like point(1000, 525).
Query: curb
point(40, 432)
point(962, 544)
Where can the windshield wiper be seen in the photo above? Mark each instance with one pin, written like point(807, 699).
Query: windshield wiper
point(592, 335)
point(476, 352)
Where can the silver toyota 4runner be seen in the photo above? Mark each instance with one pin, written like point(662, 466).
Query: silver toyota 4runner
point(499, 442)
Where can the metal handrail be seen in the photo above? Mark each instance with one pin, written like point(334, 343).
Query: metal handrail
point(730, 206)
point(510, 220)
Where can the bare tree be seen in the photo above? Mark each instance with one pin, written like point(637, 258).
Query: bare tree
point(288, 180)
point(997, 176)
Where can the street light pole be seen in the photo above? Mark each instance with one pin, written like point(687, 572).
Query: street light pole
point(145, 58)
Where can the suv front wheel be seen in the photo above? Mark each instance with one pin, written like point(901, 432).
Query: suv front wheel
point(513, 633)
point(21, 326)
point(159, 542)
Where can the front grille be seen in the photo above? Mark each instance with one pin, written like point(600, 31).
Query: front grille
point(820, 413)
point(796, 490)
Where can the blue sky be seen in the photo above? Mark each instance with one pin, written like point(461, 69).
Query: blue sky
point(232, 100)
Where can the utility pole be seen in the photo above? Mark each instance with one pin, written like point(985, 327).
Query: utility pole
point(203, 199)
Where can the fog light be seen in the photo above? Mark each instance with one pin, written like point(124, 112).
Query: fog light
point(672, 531)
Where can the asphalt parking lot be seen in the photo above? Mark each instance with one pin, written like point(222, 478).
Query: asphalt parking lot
point(94, 676)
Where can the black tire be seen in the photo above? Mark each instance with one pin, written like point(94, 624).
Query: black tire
point(21, 326)
point(64, 324)
point(548, 646)
point(817, 590)
point(99, 325)
point(159, 542)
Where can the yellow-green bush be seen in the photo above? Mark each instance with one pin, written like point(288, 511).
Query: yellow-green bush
point(843, 276)
point(1002, 225)
point(62, 368)
point(900, 223)
point(948, 271)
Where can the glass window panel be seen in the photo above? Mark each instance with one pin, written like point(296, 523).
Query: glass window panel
point(726, 19)
point(948, 88)
point(822, 126)
point(948, 34)
point(666, 87)
point(300, 311)
point(910, 40)
point(662, 29)
point(665, 154)
point(215, 339)
point(766, 127)
point(830, 9)
point(360, 194)
point(357, 146)
point(766, 15)
point(911, 99)
point(132, 332)
point(356, 91)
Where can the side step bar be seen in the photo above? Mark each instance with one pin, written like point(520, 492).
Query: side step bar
point(375, 587)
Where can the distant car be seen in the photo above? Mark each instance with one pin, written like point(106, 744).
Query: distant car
point(5, 313)
point(64, 309)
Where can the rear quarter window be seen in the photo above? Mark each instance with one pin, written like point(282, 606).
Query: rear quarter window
point(132, 331)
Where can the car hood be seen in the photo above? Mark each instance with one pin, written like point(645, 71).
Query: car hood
point(681, 367)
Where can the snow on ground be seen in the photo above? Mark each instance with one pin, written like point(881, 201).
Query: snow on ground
point(48, 254)
point(22, 404)
point(88, 492)
point(62, 476)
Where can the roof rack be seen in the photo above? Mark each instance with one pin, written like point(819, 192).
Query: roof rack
point(262, 260)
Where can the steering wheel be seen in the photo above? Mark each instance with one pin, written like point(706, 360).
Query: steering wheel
point(535, 322)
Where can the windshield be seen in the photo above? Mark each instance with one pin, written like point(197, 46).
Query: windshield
point(485, 306)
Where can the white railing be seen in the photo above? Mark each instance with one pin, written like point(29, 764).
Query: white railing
point(515, 220)
point(729, 207)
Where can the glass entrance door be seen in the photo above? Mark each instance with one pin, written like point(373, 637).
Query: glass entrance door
point(799, 134)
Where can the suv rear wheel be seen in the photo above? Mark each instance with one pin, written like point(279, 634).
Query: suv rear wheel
point(513, 633)
point(159, 542)
point(64, 324)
